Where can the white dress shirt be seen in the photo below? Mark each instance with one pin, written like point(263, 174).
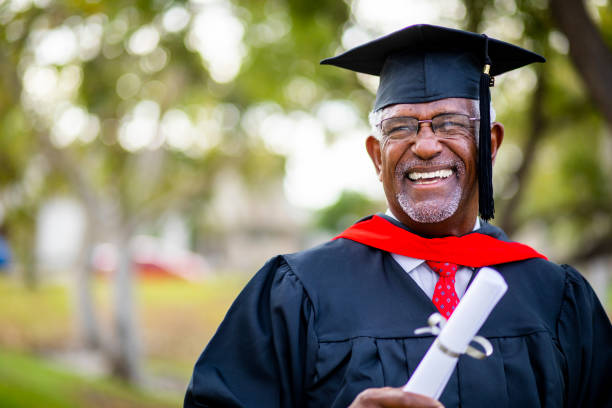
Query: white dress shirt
point(418, 270)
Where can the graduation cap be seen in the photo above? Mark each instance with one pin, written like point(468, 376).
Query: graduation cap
point(424, 63)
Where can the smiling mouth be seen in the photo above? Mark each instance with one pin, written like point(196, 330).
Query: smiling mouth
point(429, 177)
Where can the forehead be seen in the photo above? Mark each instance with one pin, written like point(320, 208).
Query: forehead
point(428, 109)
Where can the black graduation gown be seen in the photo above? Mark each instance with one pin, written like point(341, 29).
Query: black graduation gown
point(315, 328)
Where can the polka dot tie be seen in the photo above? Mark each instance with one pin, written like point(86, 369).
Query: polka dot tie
point(444, 297)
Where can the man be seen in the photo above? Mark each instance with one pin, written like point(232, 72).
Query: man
point(335, 325)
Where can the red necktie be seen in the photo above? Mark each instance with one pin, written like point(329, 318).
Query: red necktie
point(444, 297)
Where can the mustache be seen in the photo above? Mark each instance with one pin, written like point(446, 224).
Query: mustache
point(403, 168)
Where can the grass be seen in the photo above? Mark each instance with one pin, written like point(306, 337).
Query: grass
point(175, 320)
point(27, 381)
point(33, 319)
point(178, 318)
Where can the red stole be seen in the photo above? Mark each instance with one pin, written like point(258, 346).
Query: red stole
point(474, 249)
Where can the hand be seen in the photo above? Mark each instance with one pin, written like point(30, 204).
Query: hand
point(388, 397)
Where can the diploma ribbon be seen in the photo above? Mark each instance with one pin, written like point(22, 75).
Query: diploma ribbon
point(436, 322)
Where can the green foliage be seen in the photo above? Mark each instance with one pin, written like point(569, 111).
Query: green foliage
point(143, 184)
point(605, 22)
point(350, 207)
point(314, 33)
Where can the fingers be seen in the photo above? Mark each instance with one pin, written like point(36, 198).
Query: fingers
point(388, 397)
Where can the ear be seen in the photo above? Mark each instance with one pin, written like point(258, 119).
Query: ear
point(497, 137)
point(373, 148)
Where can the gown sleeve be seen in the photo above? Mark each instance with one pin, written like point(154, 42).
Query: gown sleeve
point(263, 351)
point(585, 337)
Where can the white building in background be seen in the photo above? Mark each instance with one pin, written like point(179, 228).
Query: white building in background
point(60, 235)
point(249, 224)
point(60, 228)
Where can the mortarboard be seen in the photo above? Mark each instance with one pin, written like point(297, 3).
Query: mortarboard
point(423, 63)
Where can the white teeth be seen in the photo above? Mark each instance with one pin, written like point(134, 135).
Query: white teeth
point(414, 175)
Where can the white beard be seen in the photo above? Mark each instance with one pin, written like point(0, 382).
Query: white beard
point(429, 213)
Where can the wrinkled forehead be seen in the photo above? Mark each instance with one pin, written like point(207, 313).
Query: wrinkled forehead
point(427, 110)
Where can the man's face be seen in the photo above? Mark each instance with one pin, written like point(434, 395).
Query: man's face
point(429, 179)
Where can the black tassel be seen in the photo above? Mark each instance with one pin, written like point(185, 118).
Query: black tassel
point(485, 170)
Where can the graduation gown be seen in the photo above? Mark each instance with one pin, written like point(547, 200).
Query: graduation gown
point(315, 328)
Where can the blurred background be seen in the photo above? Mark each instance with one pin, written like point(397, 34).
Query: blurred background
point(153, 154)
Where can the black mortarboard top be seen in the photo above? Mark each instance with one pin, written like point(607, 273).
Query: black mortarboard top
point(423, 63)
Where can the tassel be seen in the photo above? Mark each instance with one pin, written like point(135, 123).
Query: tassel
point(485, 170)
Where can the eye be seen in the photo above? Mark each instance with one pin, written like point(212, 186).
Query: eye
point(403, 128)
point(452, 123)
point(399, 127)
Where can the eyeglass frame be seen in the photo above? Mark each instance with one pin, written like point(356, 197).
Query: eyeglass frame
point(419, 121)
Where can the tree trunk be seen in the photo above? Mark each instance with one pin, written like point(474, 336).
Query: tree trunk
point(63, 162)
point(588, 51)
point(536, 131)
point(127, 357)
point(88, 325)
point(30, 272)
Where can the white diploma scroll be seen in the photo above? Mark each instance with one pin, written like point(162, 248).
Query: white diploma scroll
point(436, 367)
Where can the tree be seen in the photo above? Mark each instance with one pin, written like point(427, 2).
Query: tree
point(136, 107)
point(561, 173)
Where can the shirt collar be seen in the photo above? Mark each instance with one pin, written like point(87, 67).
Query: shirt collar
point(408, 263)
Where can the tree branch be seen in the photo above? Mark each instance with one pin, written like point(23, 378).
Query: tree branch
point(65, 164)
point(588, 51)
point(602, 247)
point(475, 10)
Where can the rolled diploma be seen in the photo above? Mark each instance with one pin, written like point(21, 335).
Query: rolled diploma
point(435, 369)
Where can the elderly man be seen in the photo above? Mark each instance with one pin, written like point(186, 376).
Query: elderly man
point(334, 326)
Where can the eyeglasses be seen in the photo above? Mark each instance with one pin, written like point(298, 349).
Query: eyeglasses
point(444, 125)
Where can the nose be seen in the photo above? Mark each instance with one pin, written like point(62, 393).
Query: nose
point(426, 145)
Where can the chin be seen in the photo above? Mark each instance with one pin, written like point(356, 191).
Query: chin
point(429, 212)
